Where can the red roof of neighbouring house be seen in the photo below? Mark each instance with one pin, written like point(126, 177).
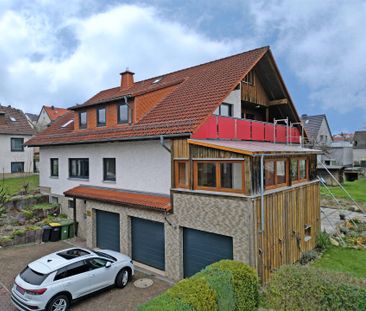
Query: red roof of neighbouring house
point(54, 112)
point(13, 121)
point(124, 197)
point(198, 91)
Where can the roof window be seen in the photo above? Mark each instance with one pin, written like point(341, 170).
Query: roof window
point(12, 119)
point(67, 123)
point(157, 80)
point(73, 253)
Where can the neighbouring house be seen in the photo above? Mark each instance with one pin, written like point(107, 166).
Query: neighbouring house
point(14, 131)
point(48, 115)
point(359, 148)
point(186, 168)
point(340, 153)
point(32, 119)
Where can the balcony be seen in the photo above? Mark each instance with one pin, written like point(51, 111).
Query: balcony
point(219, 127)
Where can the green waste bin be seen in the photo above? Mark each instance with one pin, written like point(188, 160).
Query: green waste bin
point(65, 227)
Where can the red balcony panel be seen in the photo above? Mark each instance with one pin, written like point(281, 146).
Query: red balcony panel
point(207, 129)
point(226, 128)
point(258, 131)
point(269, 132)
point(243, 129)
point(281, 133)
point(295, 135)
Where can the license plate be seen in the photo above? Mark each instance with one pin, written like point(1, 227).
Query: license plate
point(20, 290)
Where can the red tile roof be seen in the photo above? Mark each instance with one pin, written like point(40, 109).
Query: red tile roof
point(13, 121)
point(115, 196)
point(54, 112)
point(199, 90)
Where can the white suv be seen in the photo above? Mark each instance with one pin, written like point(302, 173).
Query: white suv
point(52, 282)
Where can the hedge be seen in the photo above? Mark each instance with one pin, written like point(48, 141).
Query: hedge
point(306, 288)
point(224, 285)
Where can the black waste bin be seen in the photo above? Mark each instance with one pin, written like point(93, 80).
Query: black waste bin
point(46, 234)
point(55, 233)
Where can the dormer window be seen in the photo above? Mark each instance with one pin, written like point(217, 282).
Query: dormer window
point(101, 117)
point(83, 123)
point(249, 78)
point(123, 113)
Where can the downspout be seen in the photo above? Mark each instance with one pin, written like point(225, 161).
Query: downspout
point(262, 194)
point(162, 143)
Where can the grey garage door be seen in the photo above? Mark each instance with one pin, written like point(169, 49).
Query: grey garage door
point(108, 230)
point(148, 242)
point(201, 248)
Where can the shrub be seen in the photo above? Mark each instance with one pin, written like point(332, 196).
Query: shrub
point(244, 282)
point(225, 285)
point(18, 232)
point(165, 302)
point(308, 256)
point(27, 214)
point(306, 288)
point(323, 241)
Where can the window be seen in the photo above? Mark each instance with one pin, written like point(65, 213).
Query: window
point(54, 200)
point(17, 167)
point(101, 117)
point(299, 170)
point(71, 204)
point(249, 78)
point(123, 113)
point(54, 167)
point(206, 174)
point(219, 175)
point(231, 176)
point(71, 270)
point(83, 123)
point(275, 173)
point(33, 277)
point(79, 168)
point(181, 174)
point(17, 144)
point(109, 169)
point(95, 263)
point(224, 110)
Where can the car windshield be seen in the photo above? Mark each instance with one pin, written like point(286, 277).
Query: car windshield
point(32, 277)
point(105, 255)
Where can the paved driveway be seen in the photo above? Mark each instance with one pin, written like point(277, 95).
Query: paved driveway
point(13, 260)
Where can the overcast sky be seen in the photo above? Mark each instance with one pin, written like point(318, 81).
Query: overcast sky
point(63, 52)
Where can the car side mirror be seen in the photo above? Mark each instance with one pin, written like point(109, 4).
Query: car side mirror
point(108, 265)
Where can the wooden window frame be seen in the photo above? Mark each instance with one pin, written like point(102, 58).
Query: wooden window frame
point(298, 180)
point(119, 114)
point(176, 174)
point(101, 124)
point(287, 171)
point(218, 187)
point(249, 81)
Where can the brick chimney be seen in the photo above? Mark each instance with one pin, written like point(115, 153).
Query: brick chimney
point(126, 79)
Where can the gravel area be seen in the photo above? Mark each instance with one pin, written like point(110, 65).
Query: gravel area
point(14, 259)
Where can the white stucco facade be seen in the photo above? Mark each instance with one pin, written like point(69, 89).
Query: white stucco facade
point(140, 166)
point(43, 120)
point(234, 99)
point(7, 156)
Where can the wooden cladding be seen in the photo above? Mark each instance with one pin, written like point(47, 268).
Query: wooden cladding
point(180, 149)
point(291, 225)
point(253, 91)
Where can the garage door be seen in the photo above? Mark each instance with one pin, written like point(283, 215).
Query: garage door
point(108, 230)
point(201, 248)
point(148, 242)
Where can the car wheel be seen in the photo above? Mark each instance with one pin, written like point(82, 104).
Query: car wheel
point(58, 303)
point(122, 278)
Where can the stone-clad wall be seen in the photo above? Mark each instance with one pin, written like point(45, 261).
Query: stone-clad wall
point(231, 216)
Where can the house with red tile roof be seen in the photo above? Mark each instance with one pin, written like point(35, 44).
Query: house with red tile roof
point(189, 167)
point(47, 115)
point(15, 130)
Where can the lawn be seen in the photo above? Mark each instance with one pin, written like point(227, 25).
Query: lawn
point(14, 185)
point(347, 260)
point(357, 189)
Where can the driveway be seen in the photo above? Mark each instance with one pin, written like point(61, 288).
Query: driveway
point(14, 259)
